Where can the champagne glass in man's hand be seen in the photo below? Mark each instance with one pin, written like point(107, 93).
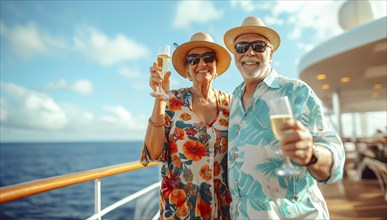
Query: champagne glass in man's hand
point(162, 61)
point(281, 112)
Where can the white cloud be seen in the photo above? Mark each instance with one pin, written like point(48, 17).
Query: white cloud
point(30, 109)
point(137, 79)
point(306, 47)
point(108, 51)
point(29, 41)
point(250, 6)
point(195, 12)
point(3, 111)
point(271, 21)
point(25, 110)
point(120, 118)
point(83, 87)
point(120, 112)
point(140, 79)
point(132, 73)
point(110, 119)
point(320, 16)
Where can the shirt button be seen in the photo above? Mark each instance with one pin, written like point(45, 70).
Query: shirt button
point(235, 155)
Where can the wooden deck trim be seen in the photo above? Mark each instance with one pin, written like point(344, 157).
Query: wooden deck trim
point(18, 191)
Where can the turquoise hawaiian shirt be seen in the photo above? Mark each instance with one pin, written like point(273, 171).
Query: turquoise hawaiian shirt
point(257, 192)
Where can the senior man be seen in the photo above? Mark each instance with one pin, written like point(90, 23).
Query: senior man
point(314, 149)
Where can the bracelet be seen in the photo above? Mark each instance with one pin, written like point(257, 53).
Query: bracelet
point(156, 124)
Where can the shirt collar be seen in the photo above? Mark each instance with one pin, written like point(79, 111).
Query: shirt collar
point(271, 80)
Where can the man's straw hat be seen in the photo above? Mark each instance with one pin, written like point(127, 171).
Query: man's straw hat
point(251, 25)
point(200, 39)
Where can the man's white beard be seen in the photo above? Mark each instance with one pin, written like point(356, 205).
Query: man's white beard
point(260, 73)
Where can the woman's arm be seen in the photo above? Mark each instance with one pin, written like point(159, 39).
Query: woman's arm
point(155, 132)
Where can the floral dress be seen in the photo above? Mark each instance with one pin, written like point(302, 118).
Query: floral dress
point(194, 173)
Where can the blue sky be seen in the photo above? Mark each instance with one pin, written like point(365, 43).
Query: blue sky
point(79, 70)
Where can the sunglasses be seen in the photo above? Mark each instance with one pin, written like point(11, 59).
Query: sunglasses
point(194, 59)
point(258, 46)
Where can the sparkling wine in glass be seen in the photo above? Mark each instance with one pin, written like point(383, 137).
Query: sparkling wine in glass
point(281, 112)
point(162, 61)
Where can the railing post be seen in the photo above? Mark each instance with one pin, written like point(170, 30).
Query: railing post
point(97, 197)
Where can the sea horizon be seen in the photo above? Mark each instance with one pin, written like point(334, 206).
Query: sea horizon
point(23, 162)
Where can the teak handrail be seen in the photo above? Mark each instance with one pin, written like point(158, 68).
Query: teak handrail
point(21, 190)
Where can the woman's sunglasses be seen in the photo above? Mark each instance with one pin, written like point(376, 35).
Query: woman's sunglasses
point(194, 59)
point(258, 46)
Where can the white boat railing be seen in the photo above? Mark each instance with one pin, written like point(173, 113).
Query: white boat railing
point(99, 213)
point(22, 190)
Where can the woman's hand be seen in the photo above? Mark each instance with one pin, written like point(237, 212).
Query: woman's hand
point(156, 79)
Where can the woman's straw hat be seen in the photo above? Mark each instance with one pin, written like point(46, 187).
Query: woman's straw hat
point(200, 39)
point(251, 25)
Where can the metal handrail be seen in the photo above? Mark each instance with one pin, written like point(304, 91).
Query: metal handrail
point(98, 214)
point(22, 190)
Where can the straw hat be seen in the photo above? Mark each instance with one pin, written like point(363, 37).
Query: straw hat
point(200, 39)
point(251, 25)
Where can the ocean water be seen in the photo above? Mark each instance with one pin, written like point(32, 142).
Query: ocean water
point(21, 162)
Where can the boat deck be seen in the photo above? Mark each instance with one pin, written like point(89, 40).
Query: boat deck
point(352, 199)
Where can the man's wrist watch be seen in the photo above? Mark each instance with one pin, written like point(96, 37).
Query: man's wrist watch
point(314, 158)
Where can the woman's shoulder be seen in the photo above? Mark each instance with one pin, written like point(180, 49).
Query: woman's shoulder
point(222, 93)
point(223, 96)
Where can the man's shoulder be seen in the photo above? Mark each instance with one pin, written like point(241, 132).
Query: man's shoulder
point(283, 80)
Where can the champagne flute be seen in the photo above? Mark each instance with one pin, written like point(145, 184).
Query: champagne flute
point(162, 61)
point(281, 112)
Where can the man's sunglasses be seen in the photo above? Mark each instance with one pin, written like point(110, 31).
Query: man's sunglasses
point(194, 59)
point(258, 46)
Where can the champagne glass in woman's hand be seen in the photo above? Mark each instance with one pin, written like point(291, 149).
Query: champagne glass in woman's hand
point(162, 61)
point(281, 112)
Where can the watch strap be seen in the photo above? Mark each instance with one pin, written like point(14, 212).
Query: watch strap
point(314, 158)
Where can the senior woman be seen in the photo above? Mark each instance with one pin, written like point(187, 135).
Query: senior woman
point(188, 133)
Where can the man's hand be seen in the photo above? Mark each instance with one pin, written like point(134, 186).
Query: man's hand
point(297, 143)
